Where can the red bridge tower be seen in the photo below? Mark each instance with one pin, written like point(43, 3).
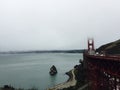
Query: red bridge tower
point(91, 49)
point(90, 44)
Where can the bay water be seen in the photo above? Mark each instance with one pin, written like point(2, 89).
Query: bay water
point(32, 69)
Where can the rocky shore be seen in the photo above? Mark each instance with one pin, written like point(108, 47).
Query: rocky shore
point(77, 78)
point(70, 83)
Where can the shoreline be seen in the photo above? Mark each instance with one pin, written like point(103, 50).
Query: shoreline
point(71, 82)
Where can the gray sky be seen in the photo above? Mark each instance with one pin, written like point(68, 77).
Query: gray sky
point(57, 24)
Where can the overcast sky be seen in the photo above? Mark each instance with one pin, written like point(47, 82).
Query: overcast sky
point(57, 24)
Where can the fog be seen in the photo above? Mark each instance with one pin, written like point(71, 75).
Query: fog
point(57, 24)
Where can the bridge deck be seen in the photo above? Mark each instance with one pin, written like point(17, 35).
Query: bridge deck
point(105, 57)
point(103, 71)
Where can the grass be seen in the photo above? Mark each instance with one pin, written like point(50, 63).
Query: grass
point(9, 87)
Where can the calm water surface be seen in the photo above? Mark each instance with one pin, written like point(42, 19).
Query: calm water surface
point(32, 70)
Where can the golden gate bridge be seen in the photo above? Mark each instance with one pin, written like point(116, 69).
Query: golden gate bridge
point(103, 71)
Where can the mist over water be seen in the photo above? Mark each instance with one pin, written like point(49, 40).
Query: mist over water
point(32, 70)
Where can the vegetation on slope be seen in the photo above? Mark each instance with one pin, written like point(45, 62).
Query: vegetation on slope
point(110, 48)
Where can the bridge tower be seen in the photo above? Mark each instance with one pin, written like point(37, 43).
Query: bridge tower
point(91, 49)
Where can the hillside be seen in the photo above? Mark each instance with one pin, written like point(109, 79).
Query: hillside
point(110, 48)
point(44, 51)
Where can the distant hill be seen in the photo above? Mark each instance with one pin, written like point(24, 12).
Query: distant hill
point(44, 51)
point(110, 48)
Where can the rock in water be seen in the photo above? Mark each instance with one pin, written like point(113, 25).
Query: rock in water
point(53, 70)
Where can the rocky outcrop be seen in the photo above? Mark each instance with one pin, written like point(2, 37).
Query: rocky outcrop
point(53, 70)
